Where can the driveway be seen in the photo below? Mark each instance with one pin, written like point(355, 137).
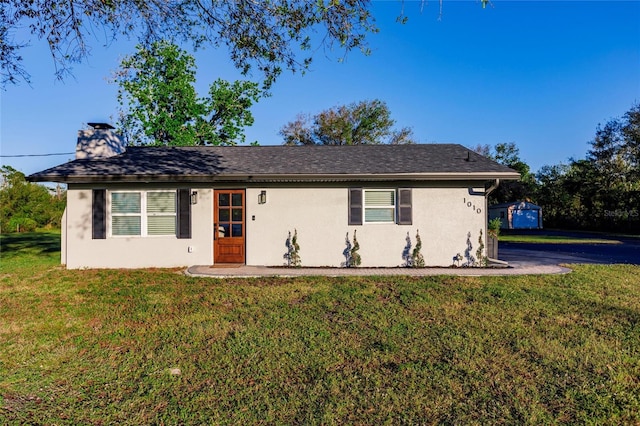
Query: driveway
point(526, 254)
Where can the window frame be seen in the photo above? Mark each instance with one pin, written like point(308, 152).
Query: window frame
point(143, 214)
point(173, 214)
point(403, 206)
point(366, 207)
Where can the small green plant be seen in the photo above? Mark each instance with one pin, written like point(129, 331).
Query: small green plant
point(417, 259)
point(457, 259)
point(481, 259)
point(494, 228)
point(293, 250)
point(354, 257)
point(467, 253)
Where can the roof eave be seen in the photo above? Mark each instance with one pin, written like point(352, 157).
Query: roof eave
point(456, 176)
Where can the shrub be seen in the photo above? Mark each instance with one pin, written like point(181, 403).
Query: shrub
point(494, 227)
point(417, 260)
point(354, 258)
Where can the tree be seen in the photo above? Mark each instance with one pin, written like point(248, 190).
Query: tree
point(365, 122)
point(615, 151)
point(484, 150)
point(602, 191)
point(508, 154)
point(25, 206)
point(298, 131)
point(631, 134)
point(552, 195)
point(615, 159)
point(159, 104)
point(566, 194)
point(263, 35)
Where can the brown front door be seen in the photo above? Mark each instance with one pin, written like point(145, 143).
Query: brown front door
point(228, 226)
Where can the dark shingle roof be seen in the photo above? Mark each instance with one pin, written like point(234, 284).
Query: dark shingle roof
point(418, 161)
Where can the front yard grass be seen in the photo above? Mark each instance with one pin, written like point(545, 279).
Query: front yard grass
point(553, 239)
point(157, 347)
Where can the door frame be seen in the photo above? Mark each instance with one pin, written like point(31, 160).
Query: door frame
point(234, 242)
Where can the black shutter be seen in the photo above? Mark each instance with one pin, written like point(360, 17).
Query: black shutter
point(98, 214)
point(404, 207)
point(184, 213)
point(355, 206)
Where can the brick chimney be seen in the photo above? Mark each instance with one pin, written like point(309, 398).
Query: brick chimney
point(99, 142)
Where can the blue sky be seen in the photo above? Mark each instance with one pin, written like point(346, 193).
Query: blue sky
point(542, 74)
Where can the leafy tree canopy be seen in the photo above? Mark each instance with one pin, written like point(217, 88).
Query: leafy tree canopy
point(508, 154)
point(615, 151)
point(602, 191)
point(263, 35)
point(365, 122)
point(160, 106)
point(266, 35)
point(25, 206)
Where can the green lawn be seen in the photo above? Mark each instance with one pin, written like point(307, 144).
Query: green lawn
point(554, 239)
point(157, 347)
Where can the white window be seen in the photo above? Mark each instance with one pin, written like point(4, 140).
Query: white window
point(161, 213)
point(143, 213)
point(379, 205)
point(126, 213)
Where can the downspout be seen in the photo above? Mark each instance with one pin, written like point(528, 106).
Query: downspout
point(488, 191)
point(486, 202)
point(491, 189)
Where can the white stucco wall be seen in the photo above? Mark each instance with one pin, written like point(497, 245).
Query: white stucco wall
point(135, 252)
point(320, 216)
point(63, 238)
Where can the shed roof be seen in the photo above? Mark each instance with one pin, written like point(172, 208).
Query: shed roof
point(273, 163)
point(518, 205)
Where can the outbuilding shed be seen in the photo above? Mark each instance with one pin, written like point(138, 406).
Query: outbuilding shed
point(517, 215)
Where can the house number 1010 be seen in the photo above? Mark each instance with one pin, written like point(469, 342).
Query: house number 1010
point(472, 206)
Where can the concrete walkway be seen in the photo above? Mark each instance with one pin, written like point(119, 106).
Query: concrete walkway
point(516, 259)
point(244, 271)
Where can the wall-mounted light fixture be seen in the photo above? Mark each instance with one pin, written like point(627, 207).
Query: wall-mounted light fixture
point(194, 197)
point(262, 197)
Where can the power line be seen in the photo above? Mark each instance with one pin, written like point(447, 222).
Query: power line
point(36, 155)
